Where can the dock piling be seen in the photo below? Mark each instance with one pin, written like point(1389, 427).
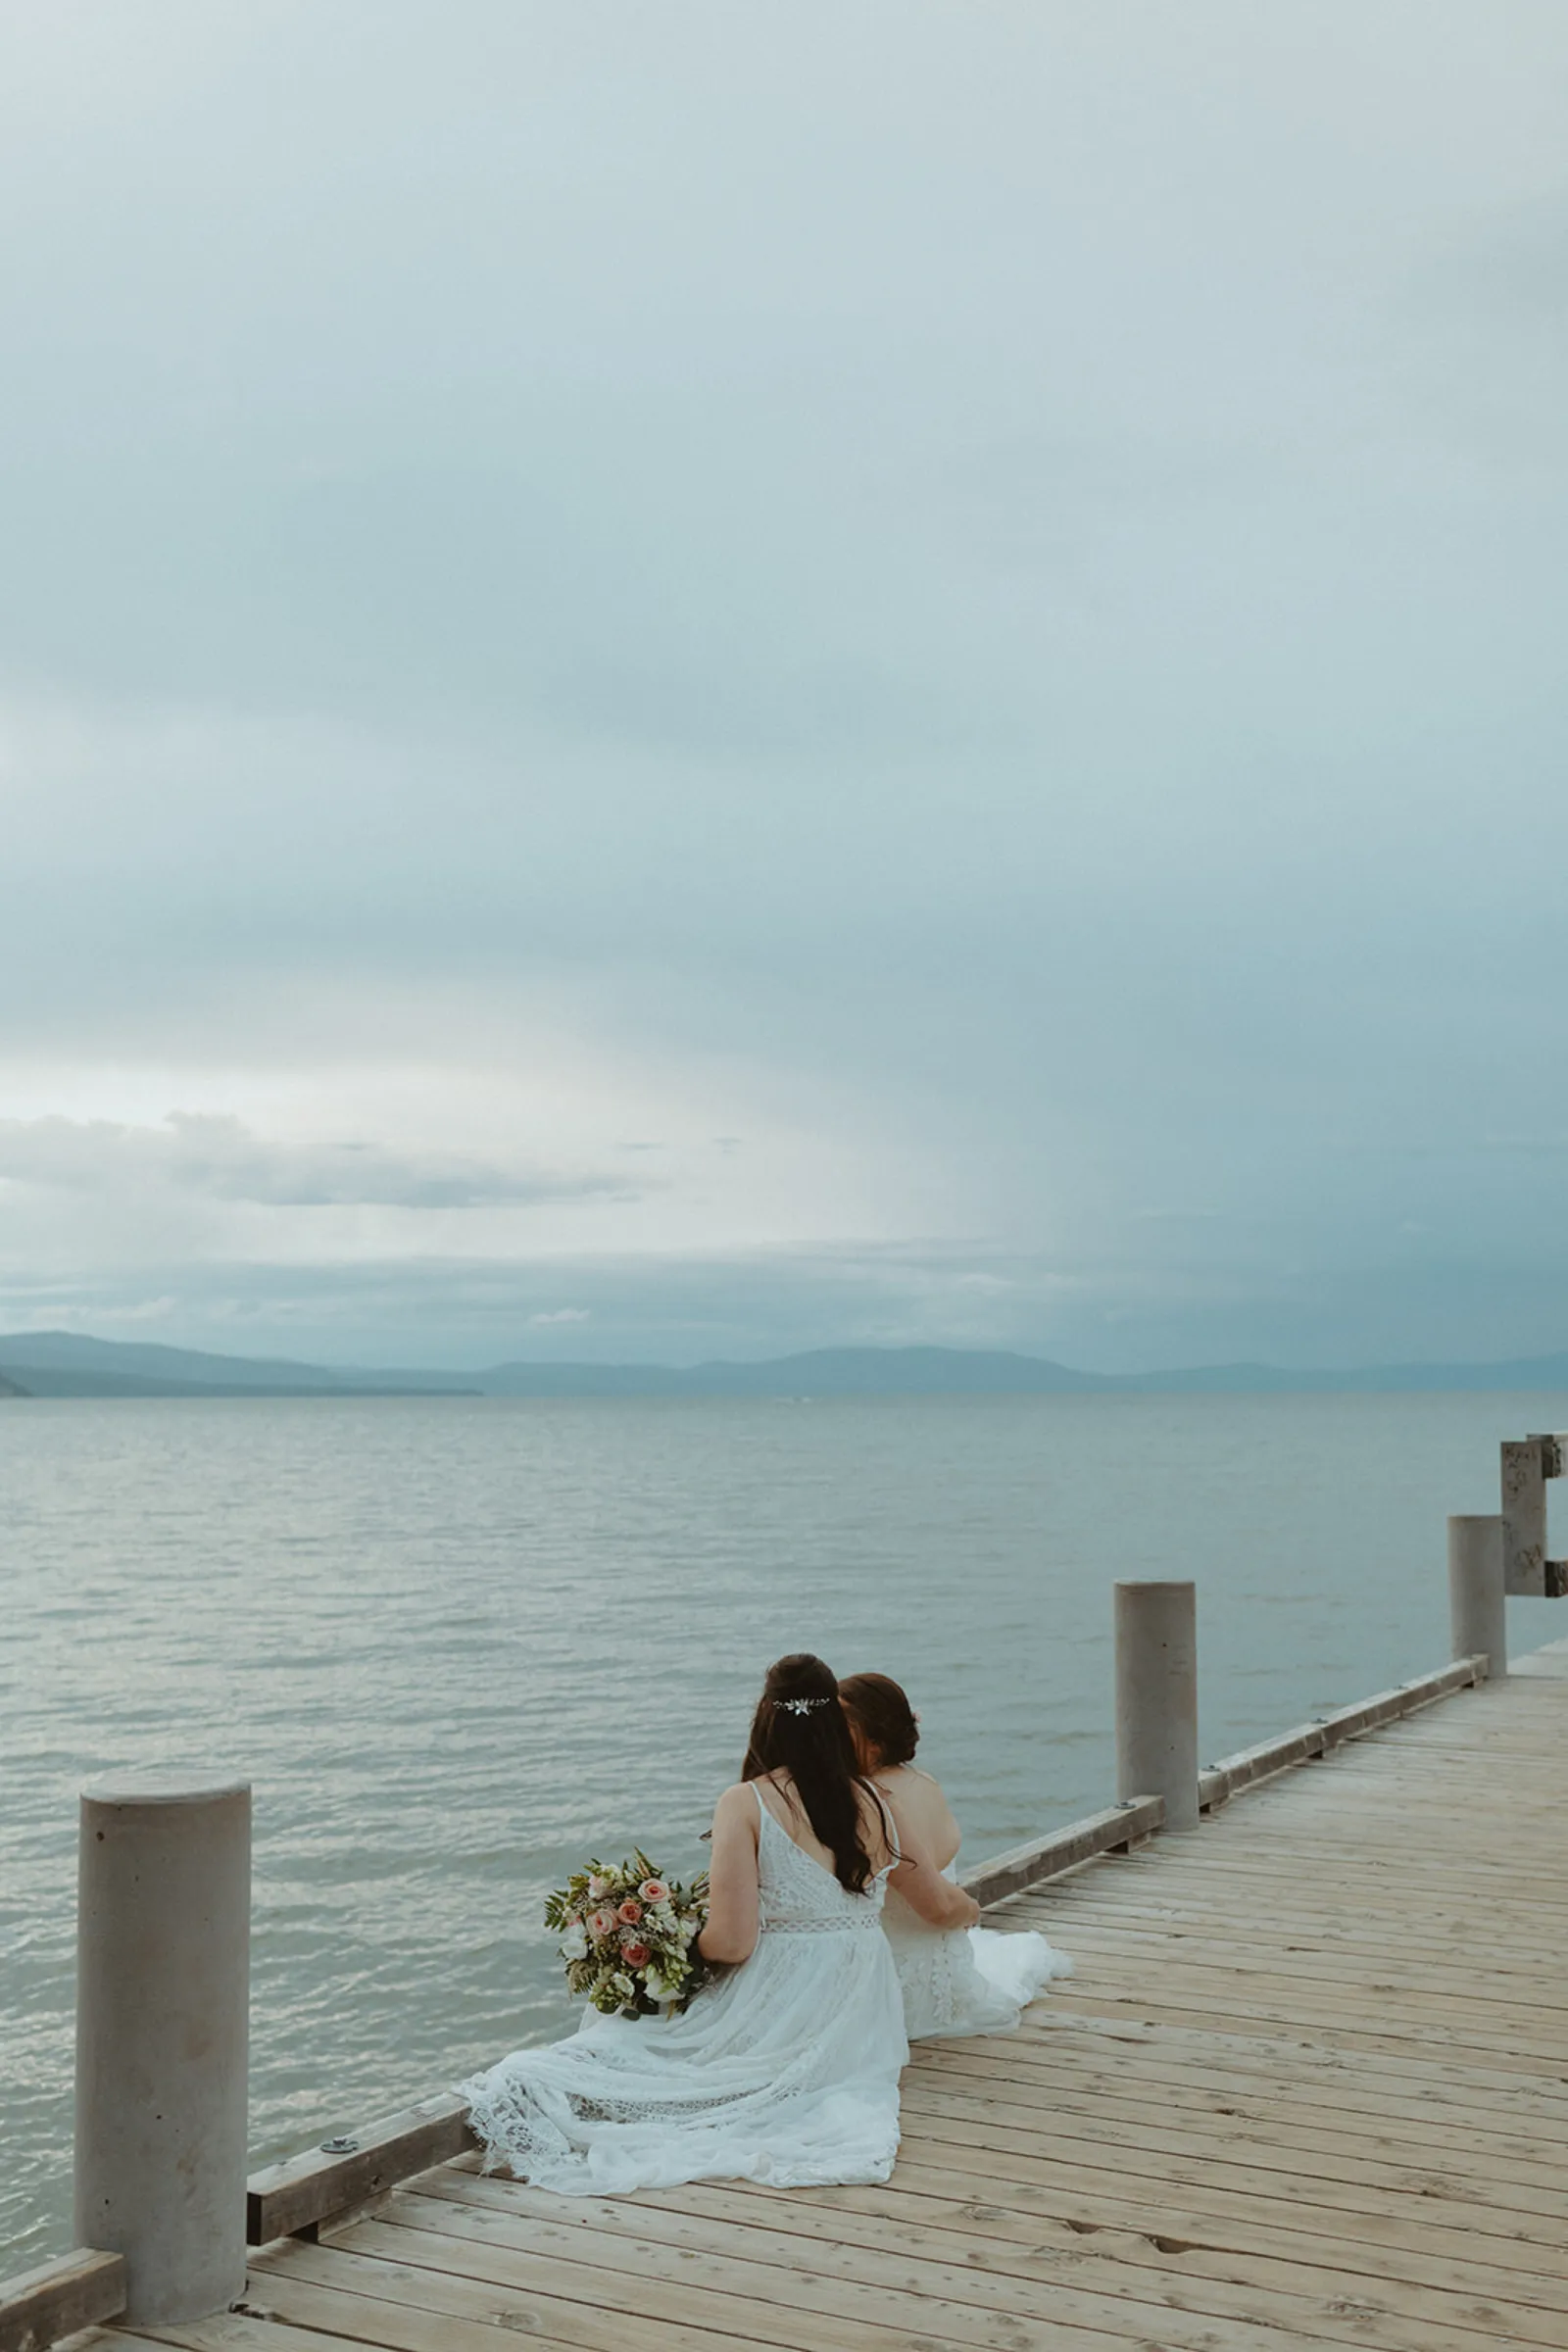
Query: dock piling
point(1478, 1609)
point(162, 2002)
point(1157, 1697)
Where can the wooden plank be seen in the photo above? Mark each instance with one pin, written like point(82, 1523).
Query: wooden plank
point(1509, 2033)
point(1111, 1832)
point(1231, 1889)
point(1073, 2225)
point(1517, 2210)
point(115, 2339)
point(411, 2310)
point(1216, 1875)
point(1365, 2104)
point(762, 2268)
point(996, 2274)
point(1334, 1979)
point(373, 2298)
point(1373, 1880)
point(1071, 2184)
point(1205, 2010)
point(1492, 2160)
point(1400, 2070)
point(242, 2329)
point(1527, 1957)
point(1345, 1951)
point(38, 2307)
point(1300, 2078)
point(1361, 1978)
point(1364, 1836)
point(627, 2307)
point(1041, 2249)
point(304, 2192)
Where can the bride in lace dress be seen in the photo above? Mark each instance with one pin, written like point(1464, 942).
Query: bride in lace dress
point(785, 2069)
point(954, 1980)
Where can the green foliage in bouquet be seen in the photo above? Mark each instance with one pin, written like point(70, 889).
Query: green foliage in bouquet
point(628, 1937)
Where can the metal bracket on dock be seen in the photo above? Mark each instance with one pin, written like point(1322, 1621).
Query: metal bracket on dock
point(1527, 1463)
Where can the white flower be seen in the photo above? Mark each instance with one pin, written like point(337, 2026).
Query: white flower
point(574, 1943)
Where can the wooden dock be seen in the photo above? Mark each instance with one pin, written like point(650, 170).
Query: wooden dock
point(1310, 2088)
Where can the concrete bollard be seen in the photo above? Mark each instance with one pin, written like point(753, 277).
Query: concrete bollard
point(162, 2022)
point(1157, 1697)
point(1478, 1607)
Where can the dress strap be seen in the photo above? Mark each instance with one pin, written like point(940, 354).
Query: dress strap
point(888, 1824)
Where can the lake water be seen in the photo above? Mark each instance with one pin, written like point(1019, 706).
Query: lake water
point(458, 1645)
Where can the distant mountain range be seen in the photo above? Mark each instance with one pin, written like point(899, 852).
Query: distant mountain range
point(59, 1363)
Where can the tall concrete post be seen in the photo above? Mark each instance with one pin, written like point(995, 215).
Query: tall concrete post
point(1157, 1697)
point(1478, 1607)
point(163, 2024)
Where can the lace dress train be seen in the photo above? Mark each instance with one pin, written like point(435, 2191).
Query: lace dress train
point(966, 1979)
point(785, 2069)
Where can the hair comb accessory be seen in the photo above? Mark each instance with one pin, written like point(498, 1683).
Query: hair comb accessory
point(802, 1706)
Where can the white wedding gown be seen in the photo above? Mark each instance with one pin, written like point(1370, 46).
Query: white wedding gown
point(785, 2069)
point(966, 1979)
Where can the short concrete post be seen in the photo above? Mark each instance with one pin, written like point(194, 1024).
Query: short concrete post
point(1478, 1609)
point(162, 2014)
point(1157, 1697)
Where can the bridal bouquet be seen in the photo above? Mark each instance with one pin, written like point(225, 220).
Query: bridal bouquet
point(627, 1936)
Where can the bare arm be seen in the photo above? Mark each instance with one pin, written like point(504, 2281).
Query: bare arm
point(930, 1895)
point(730, 1935)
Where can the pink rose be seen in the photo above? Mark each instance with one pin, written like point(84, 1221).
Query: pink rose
point(635, 1955)
point(601, 1922)
point(654, 1891)
point(598, 1886)
point(630, 1912)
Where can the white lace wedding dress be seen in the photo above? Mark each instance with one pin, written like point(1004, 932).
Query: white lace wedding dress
point(966, 1979)
point(785, 2069)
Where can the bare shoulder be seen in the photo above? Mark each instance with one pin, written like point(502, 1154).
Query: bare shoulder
point(921, 1810)
point(738, 1798)
point(906, 1785)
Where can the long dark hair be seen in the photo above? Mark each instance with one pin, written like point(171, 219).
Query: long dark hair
point(799, 1728)
point(879, 1707)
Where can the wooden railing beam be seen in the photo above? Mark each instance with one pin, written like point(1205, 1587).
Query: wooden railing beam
point(1114, 1831)
point(1232, 1774)
point(82, 2290)
point(288, 2199)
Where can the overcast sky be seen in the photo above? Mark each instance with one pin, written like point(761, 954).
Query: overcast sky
point(690, 679)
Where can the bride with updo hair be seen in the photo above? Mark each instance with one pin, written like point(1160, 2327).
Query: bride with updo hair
point(955, 1978)
point(785, 2067)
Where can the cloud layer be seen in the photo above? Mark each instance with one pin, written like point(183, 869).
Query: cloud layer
point(220, 1159)
point(693, 679)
